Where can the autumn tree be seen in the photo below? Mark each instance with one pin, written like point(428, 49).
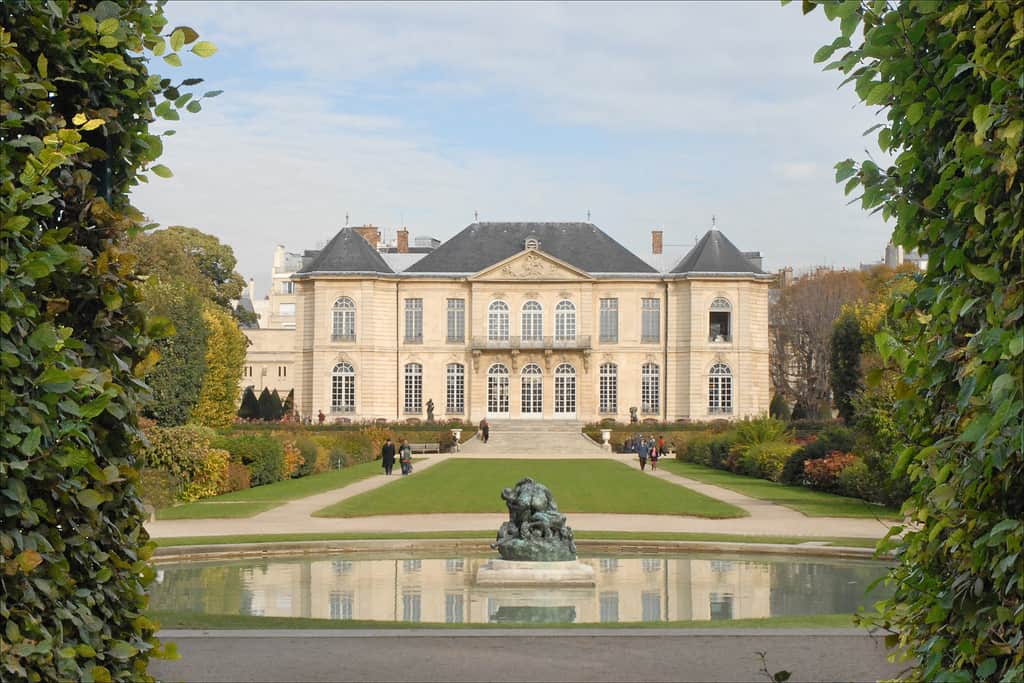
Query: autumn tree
point(78, 101)
point(948, 82)
point(801, 334)
point(844, 363)
point(225, 359)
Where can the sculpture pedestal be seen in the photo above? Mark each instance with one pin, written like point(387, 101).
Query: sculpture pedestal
point(514, 573)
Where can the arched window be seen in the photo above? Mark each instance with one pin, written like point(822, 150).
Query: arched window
point(497, 321)
point(609, 388)
point(413, 388)
point(650, 388)
point(720, 320)
point(565, 321)
point(455, 391)
point(565, 390)
point(532, 322)
point(343, 319)
point(497, 389)
point(343, 388)
point(532, 390)
point(720, 389)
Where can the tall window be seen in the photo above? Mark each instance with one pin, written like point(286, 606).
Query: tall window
point(456, 389)
point(609, 320)
point(533, 322)
point(719, 321)
point(343, 388)
point(609, 606)
point(720, 389)
point(411, 606)
point(532, 380)
point(497, 321)
point(344, 320)
point(651, 323)
point(497, 389)
point(565, 389)
point(341, 605)
point(609, 388)
point(414, 321)
point(456, 321)
point(565, 321)
point(650, 388)
point(454, 608)
point(650, 602)
point(413, 388)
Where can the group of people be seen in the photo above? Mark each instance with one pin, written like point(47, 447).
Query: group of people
point(387, 456)
point(646, 448)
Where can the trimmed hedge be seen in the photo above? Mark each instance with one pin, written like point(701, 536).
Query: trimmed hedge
point(766, 460)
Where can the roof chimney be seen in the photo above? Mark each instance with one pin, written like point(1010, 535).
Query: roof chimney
point(403, 241)
point(369, 233)
point(656, 241)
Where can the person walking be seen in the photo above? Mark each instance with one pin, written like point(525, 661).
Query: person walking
point(405, 457)
point(655, 454)
point(387, 456)
point(320, 417)
point(485, 429)
point(643, 450)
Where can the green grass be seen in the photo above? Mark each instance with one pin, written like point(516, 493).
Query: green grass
point(489, 536)
point(193, 620)
point(249, 502)
point(808, 501)
point(578, 486)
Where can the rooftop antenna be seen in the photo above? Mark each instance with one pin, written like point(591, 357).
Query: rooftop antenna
point(476, 217)
point(588, 215)
point(712, 221)
point(346, 218)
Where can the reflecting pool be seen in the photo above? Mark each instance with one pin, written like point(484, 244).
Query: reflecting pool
point(629, 589)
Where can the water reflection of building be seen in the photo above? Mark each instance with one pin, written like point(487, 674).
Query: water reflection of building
point(444, 590)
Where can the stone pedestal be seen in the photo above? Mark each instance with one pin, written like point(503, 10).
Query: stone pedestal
point(516, 573)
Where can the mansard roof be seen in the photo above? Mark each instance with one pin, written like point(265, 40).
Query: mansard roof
point(480, 245)
point(714, 253)
point(348, 252)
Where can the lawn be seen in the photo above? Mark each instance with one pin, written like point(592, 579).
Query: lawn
point(195, 620)
point(577, 485)
point(252, 501)
point(489, 536)
point(809, 502)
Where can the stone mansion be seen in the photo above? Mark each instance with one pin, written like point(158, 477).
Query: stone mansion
point(515, 321)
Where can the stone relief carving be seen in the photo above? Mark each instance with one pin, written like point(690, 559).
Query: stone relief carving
point(530, 266)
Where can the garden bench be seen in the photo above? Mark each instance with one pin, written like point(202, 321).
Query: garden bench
point(425, 447)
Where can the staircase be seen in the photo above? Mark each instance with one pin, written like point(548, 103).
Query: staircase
point(533, 439)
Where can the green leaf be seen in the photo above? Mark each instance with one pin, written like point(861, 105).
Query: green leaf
point(100, 674)
point(123, 650)
point(162, 171)
point(879, 94)
point(915, 112)
point(41, 64)
point(194, 106)
point(1016, 345)
point(987, 668)
point(173, 59)
point(979, 213)
point(204, 48)
point(109, 41)
point(108, 26)
point(823, 53)
point(189, 33)
point(87, 21)
point(212, 93)
point(177, 39)
point(1003, 385)
point(89, 498)
point(43, 337)
point(984, 273)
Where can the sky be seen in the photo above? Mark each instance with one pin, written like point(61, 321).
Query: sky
point(649, 116)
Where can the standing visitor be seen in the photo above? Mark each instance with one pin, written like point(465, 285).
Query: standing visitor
point(485, 429)
point(655, 454)
point(320, 417)
point(387, 456)
point(643, 449)
point(661, 445)
point(405, 457)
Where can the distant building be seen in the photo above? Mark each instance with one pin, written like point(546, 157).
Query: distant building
point(896, 257)
point(516, 320)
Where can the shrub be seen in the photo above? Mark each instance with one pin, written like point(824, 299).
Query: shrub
point(823, 473)
point(833, 438)
point(263, 455)
point(323, 460)
point(778, 408)
point(238, 477)
point(292, 460)
point(720, 447)
point(158, 488)
point(766, 460)
point(309, 450)
point(750, 432)
point(858, 481)
point(697, 451)
point(208, 476)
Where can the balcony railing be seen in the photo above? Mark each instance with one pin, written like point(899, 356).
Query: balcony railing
point(339, 410)
point(719, 410)
point(343, 337)
point(527, 343)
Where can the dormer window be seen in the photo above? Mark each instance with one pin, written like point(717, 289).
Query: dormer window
point(532, 243)
point(720, 321)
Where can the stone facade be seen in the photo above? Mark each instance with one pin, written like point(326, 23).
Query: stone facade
point(536, 341)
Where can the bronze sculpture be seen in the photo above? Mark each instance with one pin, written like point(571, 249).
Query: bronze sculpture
point(535, 531)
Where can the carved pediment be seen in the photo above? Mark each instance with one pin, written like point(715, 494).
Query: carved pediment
point(531, 264)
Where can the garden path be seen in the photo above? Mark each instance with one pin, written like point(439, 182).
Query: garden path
point(296, 516)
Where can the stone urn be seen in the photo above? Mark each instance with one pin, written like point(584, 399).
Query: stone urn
point(606, 436)
point(457, 438)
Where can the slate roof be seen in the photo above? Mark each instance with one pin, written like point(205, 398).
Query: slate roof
point(480, 245)
point(348, 252)
point(714, 253)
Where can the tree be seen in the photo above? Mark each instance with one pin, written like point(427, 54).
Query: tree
point(250, 408)
point(950, 80)
point(778, 408)
point(78, 99)
point(225, 360)
point(266, 404)
point(844, 360)
point(276, 407)
point(801, 329)
point(289, 403)
point(177, 378)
